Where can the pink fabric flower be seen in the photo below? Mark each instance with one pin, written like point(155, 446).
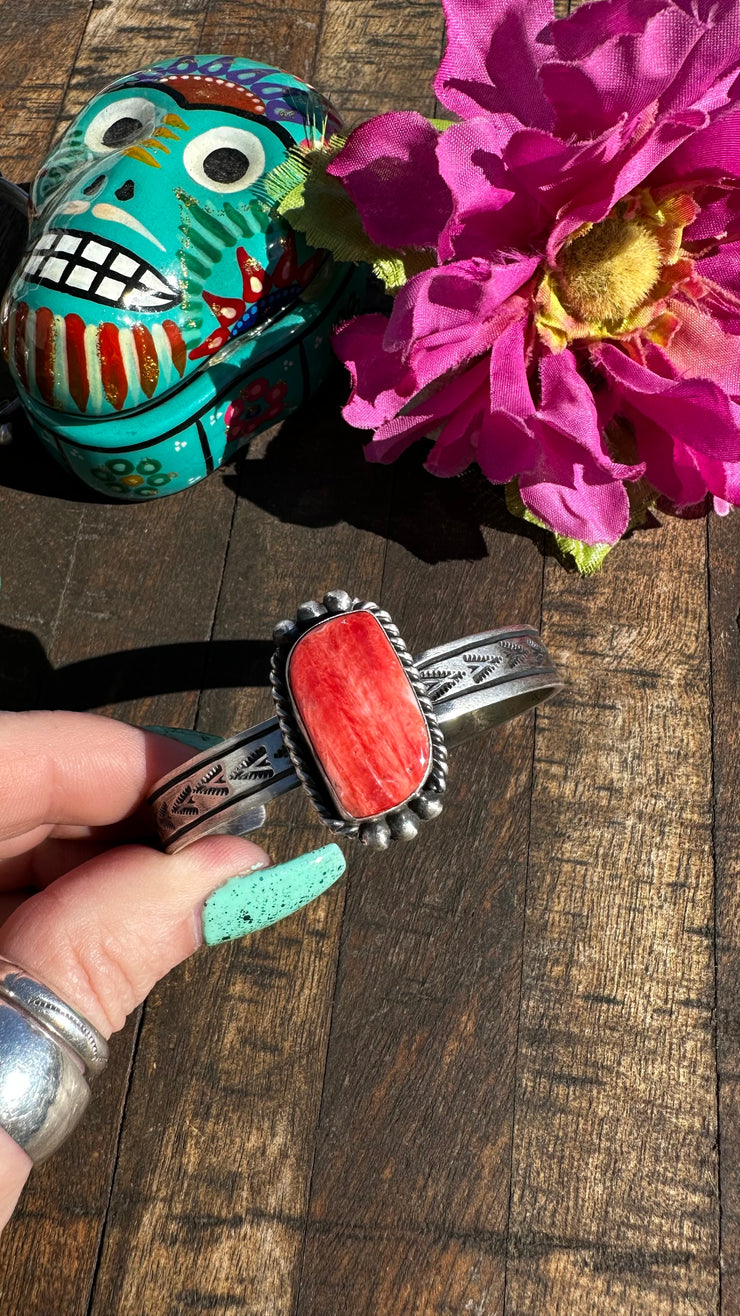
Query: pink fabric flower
point(583, 229)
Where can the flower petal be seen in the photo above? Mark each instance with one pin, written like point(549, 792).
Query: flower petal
point(455, 447)
point(576, 487)
point(706, 73)
point(492, 58)
point(712, 153)
point(582, 32)
point(623, 75)
point(434, 410)
point(723, 267)
point(700, 350)
point(720, 274)
point(670, 467)
point(443, 318)
point(381, 383)
point(389, 167)
point(568, 407)
point(719, 214)
point(492, 212)
point(694, 411)
point(574, 497)
point(554, 172)
point(626, 172)
point(506, 444)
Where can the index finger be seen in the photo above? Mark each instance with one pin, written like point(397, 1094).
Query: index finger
point(76, 769)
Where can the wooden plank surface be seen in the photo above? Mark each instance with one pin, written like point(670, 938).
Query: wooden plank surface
point(724, 603)
point(81, 579)
point(614, 1188)
point(119, 571)
point(411, 1184)
point(301, 527)
point(496, 1074)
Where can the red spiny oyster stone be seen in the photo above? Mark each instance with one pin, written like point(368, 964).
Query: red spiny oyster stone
point(360, 714)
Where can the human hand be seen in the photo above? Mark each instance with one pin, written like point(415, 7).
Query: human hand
point(89, 910)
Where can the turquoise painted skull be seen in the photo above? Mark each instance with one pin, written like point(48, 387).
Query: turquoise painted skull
point(163, 312)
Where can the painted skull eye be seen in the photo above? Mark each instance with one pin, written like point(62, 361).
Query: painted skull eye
point(226, 165)
point(225, 159)
point(122, 131)
point(120, 124)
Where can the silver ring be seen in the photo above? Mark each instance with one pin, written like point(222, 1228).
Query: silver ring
point(55, 1016)
point(46, 1051)
point(442, 697)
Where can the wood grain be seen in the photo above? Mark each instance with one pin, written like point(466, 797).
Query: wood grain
point(127, 35)
point(129, 581)
point(724, 601)
point(286, 35)
point(378, 55)
point(224, 1106)
point(39, 46)
point(614, 1194)
point(480, 1078)
point(411, 1184)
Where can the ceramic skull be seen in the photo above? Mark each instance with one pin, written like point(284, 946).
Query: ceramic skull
point(163, 312)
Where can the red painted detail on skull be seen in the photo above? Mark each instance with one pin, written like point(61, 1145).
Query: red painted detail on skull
point(44, 348)
point(19, 343)
point(274, 291)
point(198, 89)
point(146, 355)
point(112, 368)
point(177, 346)
point(286, 269)
point(253, 276)
point(226, 309)
point(74, 337)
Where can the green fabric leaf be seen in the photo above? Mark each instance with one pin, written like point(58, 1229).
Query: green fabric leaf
point(318, 206)
point(587, 557)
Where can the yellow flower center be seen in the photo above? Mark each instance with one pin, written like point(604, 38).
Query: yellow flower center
point(608, 271)
point(613, 279)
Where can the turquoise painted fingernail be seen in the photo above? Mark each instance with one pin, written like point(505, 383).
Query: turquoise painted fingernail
point(246, 904)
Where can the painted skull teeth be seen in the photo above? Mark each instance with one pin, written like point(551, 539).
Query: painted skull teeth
point(85, 266)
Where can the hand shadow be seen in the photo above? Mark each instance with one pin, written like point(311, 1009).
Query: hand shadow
point(28, 680)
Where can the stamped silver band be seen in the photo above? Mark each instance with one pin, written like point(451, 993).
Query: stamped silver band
point(71, 1028)
point(46, 1051)
point(474, 683)
point(43, 1091)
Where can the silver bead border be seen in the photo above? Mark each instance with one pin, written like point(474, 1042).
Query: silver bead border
point(308, 616)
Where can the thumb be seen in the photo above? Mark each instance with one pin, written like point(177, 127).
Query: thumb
point(103, 935)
